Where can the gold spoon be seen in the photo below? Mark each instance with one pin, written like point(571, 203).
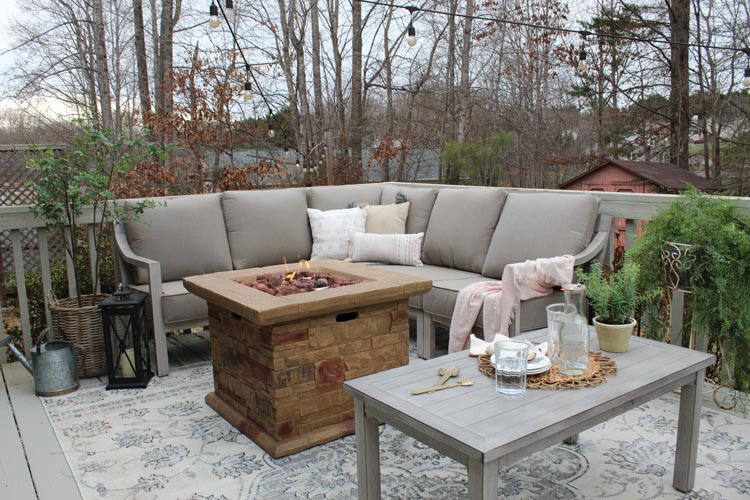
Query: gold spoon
point(447, 373)
point(459, 383)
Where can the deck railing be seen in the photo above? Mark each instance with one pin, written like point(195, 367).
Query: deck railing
point(632, 207)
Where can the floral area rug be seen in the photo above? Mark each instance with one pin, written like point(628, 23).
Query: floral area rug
point(164, 442)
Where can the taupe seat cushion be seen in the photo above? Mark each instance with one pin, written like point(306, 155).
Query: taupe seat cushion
point(337, 197)
point(534, 225)
point(434, 273)
point(187, 236)
point(441, 300)
point(263, 227)
point(422, 201)
point(461, 226)
point(178, 304)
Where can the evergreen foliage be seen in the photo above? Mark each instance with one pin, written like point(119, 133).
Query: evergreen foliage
point(720, 279)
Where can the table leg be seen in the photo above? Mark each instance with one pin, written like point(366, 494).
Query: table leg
point(368, 453)
point(425, 336)
point(571, 440)
point(483, 480)
point(688, 428)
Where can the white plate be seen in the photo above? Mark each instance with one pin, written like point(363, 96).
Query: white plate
point(539, 364)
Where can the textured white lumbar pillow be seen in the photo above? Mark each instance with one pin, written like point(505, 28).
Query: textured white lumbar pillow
point(403, 249)
point(332, 229)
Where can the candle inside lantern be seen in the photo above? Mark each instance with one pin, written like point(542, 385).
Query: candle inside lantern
point(125, 365)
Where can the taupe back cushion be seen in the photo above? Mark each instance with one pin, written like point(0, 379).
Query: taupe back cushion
point(422, 200)
point(461, 227)
point(534, 225)
point(187, 236)
point(338, 197)
point(265, 226)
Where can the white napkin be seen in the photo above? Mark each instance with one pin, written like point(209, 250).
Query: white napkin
point(478, 346)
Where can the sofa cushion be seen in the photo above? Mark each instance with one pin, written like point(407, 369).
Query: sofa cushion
point(422, 200)
point(403, 249)
point(434, 273)
point(534, 225)
point(461, 226)
point(441, 300)
point(178, 304)
point(265, 226)
point(337, 197)
point(387, 219)
point(332, 230)
point(187, 236)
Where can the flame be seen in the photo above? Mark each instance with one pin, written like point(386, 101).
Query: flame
point(289, 275)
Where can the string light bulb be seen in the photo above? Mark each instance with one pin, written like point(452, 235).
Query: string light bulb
point(213, 15)
point(746, 80)
point(229, 10)
point(271, 131)
point(582, 65)
point(411, 35)
point(248, 92)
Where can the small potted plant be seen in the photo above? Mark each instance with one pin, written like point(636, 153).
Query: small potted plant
point(614, 298)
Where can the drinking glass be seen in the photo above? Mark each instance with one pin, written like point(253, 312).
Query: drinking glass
point(555, 313)
point(510, 367)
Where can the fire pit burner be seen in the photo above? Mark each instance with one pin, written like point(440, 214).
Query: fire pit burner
point(299, 282)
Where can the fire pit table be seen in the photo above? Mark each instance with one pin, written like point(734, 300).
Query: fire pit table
point(279, 361)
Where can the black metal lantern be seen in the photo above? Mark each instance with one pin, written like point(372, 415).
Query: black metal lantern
point(126, 340)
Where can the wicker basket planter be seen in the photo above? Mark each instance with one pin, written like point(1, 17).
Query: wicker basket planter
point(83, 327)
point(614, 338)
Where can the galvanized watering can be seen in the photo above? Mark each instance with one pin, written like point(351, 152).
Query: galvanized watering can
point(53, 365)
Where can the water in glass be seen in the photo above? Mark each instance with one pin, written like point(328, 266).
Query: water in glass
point(510, 367)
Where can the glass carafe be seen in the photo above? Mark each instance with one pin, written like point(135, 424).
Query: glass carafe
point(573, 358)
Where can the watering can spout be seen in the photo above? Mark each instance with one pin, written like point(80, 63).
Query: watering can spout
point(7, 341)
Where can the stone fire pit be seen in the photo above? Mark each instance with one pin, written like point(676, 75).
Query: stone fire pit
point(279, 361)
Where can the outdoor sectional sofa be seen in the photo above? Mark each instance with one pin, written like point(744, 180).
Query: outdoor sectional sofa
point(470, 234)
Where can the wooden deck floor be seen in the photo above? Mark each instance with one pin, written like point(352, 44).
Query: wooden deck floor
point(32, 465)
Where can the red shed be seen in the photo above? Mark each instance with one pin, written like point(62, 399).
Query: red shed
point(625, 176)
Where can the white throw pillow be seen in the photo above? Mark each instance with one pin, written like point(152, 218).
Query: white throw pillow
point(403, 249)
point(332, 229)
point(388, 219)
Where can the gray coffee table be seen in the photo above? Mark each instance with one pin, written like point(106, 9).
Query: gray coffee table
point(485, 431)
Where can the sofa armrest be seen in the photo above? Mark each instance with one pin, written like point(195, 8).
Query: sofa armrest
point(598, 244)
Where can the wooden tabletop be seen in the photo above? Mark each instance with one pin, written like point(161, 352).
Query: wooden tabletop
point(476, 423)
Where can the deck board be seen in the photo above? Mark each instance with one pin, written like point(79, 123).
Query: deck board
point(15, 478)
point(49, 469)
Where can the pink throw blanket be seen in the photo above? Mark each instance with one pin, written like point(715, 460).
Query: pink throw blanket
point(521, 281)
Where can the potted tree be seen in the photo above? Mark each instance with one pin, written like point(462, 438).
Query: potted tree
point(66, 185)
point(614, 298)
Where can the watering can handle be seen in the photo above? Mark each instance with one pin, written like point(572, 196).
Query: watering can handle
point(42, 334)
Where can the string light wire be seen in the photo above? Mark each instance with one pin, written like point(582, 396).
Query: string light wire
point(413, 8)
point(247, 65)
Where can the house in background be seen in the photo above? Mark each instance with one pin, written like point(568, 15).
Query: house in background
point(625, 176)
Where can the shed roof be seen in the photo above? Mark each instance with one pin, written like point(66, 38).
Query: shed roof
point(666, 175)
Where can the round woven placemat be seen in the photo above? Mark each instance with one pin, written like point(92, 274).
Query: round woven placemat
point(600, 366)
